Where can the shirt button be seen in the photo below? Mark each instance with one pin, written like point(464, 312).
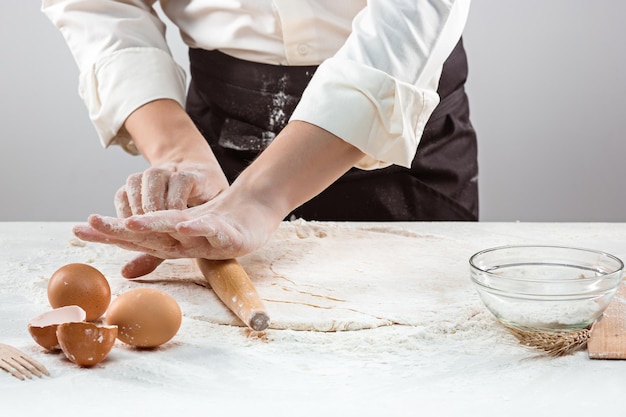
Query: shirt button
point(303, 49)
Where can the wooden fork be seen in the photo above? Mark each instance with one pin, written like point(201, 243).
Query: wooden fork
point(20, 365)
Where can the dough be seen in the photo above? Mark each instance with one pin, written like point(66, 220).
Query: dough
point(332, 277)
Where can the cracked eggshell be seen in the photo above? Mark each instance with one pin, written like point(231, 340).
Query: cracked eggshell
point(146, 317)
point(81, 285)
point(43, 328)
point(86, 344)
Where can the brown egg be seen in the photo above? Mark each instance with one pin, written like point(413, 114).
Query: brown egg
point(86, 344)
point(81, 285)
point(145, 317)
point(43, 328)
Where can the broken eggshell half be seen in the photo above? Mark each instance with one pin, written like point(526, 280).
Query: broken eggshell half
point(86, 344)
point(43, 328)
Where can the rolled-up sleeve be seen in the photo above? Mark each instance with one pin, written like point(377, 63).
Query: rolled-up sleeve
point(379, 90)
point(123, 59)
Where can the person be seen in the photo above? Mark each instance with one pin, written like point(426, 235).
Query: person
point(294, 109)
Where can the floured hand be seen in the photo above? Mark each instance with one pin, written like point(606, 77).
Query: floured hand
point(225, 227)
point(300, 163)
point(173, 185)
point(169, 186)
point(183, 172)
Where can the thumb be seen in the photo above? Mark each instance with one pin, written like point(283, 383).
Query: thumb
point(140, 266)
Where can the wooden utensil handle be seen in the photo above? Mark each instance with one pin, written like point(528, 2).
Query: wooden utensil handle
point(232, 285)
point(608, 334)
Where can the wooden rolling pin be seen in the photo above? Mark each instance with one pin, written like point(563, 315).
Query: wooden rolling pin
point(232, 285)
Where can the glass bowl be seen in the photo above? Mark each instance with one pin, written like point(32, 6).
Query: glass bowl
point(547, 288)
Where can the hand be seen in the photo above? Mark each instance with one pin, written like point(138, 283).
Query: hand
point(300, 163)
point(183, 172)
point(228, 226)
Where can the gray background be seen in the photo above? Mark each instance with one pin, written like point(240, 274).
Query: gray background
point(546, 90)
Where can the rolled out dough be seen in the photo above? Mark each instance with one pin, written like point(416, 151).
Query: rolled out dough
point(331, 277)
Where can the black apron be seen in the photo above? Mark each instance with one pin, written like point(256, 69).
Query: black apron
point(239, 106)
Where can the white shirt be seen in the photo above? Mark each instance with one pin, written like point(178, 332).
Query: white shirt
point(380, 60)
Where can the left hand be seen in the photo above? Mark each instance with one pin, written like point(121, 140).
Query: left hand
point(301, 162)
point(228, 226)
point(183, 172)
point(174, 185)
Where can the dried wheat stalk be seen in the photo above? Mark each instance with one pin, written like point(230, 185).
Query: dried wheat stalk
point(552, 343)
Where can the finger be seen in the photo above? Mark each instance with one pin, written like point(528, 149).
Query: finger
point(133, 192)
point(179, 189)
point(89, 234)
point(162, 221)
point(122, 206)
point(153, 189)
point(190, 247)
point(111, 226)
point(115, 229)
point(140, 266)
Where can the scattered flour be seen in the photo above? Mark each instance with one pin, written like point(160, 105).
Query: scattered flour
point(417, 336)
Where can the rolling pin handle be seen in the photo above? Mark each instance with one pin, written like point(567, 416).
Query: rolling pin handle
point(259, 321)
point(233, 287)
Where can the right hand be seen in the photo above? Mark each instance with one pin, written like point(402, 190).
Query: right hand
point(299, 164)
point(169, 186)
point(183, 172)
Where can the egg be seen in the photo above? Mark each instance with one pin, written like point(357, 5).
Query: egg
point(43, 328)
point(81, 285)
point(86, 344)
point(146, 317)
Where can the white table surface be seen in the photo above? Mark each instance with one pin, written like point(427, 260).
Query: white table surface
point(451, 368)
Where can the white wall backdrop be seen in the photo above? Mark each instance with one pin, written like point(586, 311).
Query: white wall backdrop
point(546, 86)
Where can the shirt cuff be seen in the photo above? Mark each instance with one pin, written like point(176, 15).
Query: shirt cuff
point(378, 114)
point(123, 81)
